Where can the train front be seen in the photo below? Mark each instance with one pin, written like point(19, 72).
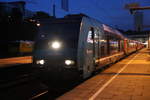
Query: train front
point(55, 51)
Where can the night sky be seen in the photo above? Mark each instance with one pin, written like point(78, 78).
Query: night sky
point(111, 12)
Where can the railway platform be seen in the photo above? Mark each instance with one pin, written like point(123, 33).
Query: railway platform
point(128, 79)
point(8, 62)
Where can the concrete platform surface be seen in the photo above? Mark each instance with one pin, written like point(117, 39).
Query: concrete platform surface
point(128, 79)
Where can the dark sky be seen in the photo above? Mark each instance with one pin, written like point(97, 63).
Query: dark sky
point(111, 12)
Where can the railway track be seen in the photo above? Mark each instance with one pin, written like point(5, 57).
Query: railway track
point(20, 83)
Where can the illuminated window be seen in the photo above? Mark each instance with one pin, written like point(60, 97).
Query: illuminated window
point(90, 37)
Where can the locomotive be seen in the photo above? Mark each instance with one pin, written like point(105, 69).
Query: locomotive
point(78, 45)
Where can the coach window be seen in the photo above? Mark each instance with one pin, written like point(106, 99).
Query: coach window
point(108, 44)
point(113, 44)
point(119, 46)
point(103, 47)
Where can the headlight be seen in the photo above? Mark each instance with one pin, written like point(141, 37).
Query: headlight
point(41, 62)
point(69, 62)
point(56, 45)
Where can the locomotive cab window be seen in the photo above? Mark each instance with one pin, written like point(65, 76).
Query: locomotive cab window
point(65, 33)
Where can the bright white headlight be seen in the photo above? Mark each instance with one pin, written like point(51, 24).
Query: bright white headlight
point(56, 45)
point(69, 62)
point(41, 62)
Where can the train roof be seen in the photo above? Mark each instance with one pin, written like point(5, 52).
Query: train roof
point(111, 30)
point(77, 18)
point(66, 19)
